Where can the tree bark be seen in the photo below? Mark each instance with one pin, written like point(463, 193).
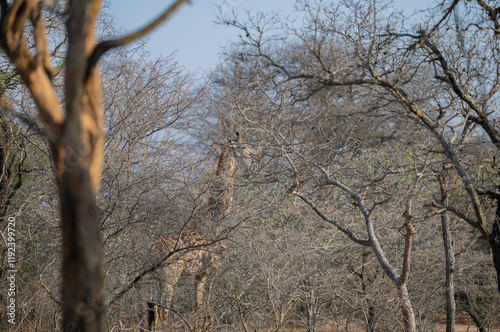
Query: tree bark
point(450, 268)
point(450, 260)
point(495, 241)
point(406, 308)
point(82, 271)
point(78, 180)
point(76, 139)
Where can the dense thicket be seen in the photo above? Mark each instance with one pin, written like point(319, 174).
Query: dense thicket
point(370, 200)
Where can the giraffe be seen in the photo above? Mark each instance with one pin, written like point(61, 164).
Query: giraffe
point(200, 260)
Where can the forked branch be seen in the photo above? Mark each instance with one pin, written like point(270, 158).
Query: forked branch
point(34, 70)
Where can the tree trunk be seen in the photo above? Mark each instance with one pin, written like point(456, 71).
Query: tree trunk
point(406, 308)
point(450, 268)
point(495, 243)
point(76, 138)
point(78, 162)
point(399, 280)
point(450, 260)
point(82, 272)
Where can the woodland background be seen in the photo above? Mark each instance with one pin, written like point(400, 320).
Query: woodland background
point(378, 189)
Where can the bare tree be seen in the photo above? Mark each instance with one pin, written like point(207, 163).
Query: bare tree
point(76, 138)
point(441, 74)
point(450, 258)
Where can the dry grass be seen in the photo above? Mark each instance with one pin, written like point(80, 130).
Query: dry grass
point(461, 326)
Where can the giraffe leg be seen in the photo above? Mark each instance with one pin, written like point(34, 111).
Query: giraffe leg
point(200, 282)
point(156, 317)
point(162, 312)
point(171, 276)
point(204, 317)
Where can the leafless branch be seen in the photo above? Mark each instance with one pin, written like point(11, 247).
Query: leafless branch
point(343, 228)
point(107, 45)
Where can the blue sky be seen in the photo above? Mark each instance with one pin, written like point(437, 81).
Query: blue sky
point(191, 32)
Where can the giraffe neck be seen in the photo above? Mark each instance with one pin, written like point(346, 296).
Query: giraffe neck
point(221, 199)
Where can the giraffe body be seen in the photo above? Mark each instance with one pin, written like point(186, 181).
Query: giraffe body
point(198, 263)
point(203, 258)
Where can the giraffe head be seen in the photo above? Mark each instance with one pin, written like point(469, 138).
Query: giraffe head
point(221, 198)
point(245, 151)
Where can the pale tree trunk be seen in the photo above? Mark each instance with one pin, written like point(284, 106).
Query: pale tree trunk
point(76, 140)
point(406, 307)
point(400, 280)
point(450, 267)
point(450, 260)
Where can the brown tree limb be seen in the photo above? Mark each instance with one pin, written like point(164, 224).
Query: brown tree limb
point(445, 16)
point(410, 231)
point(107, 45)
point(492, 14)
point(34, 72)
point(42, 57)
point(442, 208)
point(76, 140)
